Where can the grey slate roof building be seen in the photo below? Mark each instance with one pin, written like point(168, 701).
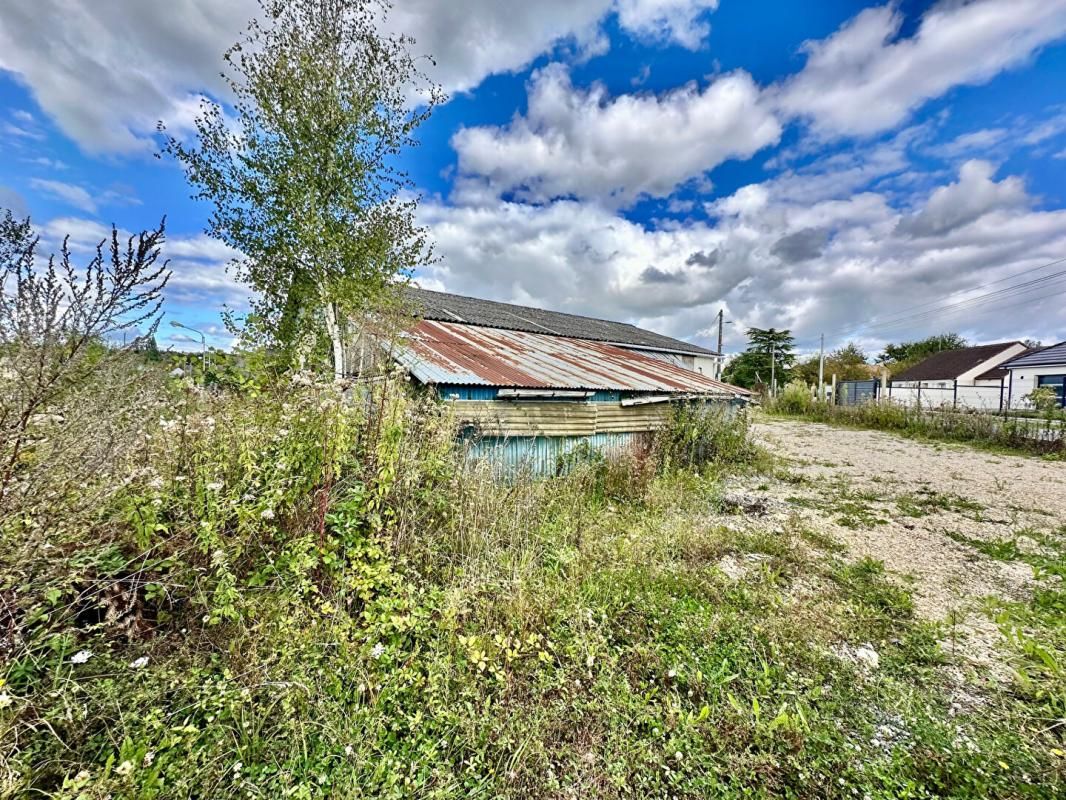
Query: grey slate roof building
point(950, 364)
point(444, 307)
point(1051, 356)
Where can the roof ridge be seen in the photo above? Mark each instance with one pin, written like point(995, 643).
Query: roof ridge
point(481, 312)
point(532, 308)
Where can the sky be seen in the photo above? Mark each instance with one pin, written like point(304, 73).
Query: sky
point(870, 172)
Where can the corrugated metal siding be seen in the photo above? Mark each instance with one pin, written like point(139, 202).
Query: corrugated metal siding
point(543, 455)
point(445, 353)
point(559, 419)
point(453, 392)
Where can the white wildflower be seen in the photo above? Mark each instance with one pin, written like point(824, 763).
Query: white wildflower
point(214, 486)
point(238, 767)
point(149, 757)
point(81, 657)
point(139, 663)
point(377, 650)
point(348, 750)
point(267, 513)
point(5, 700)
point(125, 768)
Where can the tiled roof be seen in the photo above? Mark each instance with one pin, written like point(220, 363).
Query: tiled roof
point(1051, 356)
point(469, 355)
point(950, 364)
point(445, 307)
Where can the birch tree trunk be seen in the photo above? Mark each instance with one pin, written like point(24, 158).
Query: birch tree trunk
point(333, 328)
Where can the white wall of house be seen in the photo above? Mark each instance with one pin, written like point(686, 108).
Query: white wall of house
point(1023, 380)
point(1002, 356)
point(711, 366)
point(981, 395)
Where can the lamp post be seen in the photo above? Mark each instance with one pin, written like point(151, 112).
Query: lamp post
point(203, 343)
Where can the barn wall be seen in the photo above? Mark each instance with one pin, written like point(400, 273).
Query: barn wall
point(562, 419)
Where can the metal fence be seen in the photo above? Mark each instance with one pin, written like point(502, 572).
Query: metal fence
point(952, 394)
point(853, 393)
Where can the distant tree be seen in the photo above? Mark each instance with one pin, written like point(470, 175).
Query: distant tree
point(898, 357)
point(848, 363)
point(753, 366)
point(1032, 344)
point(303, 176)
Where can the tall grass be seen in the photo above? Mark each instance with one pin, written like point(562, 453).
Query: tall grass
point(298, 590)
point(1041, 436)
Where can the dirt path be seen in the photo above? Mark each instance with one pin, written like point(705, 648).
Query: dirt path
point(936, 515)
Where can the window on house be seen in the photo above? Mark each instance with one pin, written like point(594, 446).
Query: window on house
point(1056, 382)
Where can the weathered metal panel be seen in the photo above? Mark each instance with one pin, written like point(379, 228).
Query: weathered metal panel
point(453, 353)
point(558, 419)
point(544, 455)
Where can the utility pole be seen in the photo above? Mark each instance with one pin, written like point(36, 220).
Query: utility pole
point(821, 369)
point(721, 325)
point(722, 356)
point(773, 363)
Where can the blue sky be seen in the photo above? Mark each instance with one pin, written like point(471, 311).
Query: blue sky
point(870, 172)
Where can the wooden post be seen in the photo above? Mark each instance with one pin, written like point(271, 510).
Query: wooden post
point(833, 401)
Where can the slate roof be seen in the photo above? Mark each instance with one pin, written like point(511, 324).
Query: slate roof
point(1051, 356)
point(950, 364)
point(444, 307)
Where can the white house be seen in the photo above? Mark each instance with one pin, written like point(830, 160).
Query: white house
point(1034, 369)
point(971, 377)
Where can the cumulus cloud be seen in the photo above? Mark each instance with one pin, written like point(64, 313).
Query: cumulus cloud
point(864, 79)
point(972, 196)
point(803, 245)
point(582, 143)
point(107, 76)
point(778, 258)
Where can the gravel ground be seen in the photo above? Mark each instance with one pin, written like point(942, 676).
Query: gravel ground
point(918, 507)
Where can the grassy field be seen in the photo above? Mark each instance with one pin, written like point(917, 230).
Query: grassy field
point(283, 592)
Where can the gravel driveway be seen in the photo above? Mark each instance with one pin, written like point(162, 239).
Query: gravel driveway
point(935, 514)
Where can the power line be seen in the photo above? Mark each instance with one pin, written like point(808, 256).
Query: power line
point(914, 315)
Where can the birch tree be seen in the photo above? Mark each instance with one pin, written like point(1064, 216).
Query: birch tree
point(301, 167)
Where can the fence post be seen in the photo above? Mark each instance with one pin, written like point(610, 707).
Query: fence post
point(955, 393)
point(834, 401)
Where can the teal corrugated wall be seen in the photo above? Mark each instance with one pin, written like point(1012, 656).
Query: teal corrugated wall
point(541, 455)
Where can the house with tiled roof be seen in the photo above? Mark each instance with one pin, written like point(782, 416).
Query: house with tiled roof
point(970, 377)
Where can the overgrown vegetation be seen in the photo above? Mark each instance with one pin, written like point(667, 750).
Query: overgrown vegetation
point(294, 590)
point(1038, 436)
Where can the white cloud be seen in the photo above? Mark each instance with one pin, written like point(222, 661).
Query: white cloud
point(583, 143)
point(967, 200)
point(863, 79)
point(106, 72)
point(774, 254)
point(70, 193)
point(680, 21)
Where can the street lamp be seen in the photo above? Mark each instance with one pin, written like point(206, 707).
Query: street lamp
point(203, 343)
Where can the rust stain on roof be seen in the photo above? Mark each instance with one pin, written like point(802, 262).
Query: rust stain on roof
point(454, 353)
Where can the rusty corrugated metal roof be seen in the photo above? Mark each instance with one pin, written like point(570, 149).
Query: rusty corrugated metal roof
point(468, 355)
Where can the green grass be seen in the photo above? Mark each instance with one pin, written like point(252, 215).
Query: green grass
point(329, 604)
